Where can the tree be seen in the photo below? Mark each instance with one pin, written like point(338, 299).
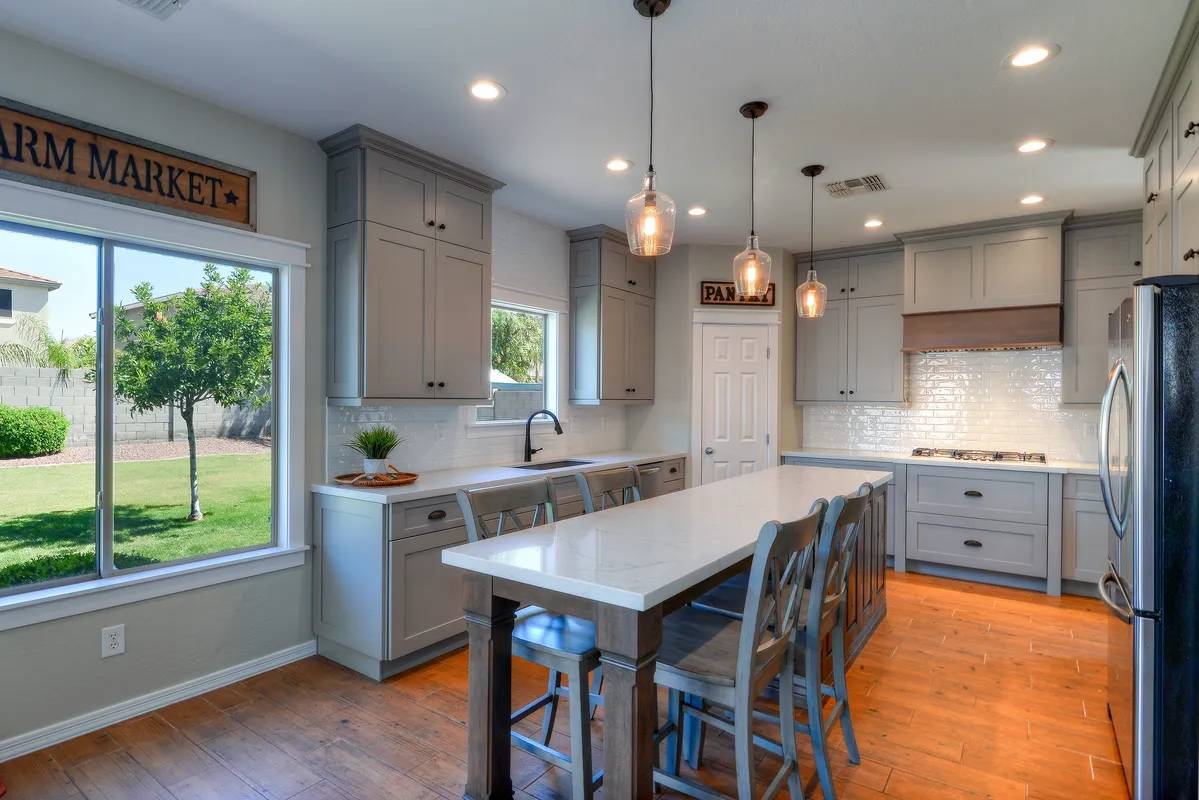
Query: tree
point(212, 343)
point(518, 344)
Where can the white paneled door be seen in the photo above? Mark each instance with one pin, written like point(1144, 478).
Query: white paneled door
point(735, 418)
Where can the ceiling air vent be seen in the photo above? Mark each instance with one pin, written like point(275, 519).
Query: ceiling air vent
point(852, 186)
point(159, 9)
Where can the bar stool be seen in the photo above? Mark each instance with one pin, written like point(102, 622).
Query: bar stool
point(729, 663)
point(613, 487)
point(562, 644)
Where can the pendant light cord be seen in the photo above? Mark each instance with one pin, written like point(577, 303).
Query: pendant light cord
point(812, 225)
point(753, 150)
point(651, 93)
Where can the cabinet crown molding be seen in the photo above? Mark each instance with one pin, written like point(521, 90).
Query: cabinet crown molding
point(987, 226)
point(598, 232)
point(363, 136)
point(1180, 52)
point(1131, 217)
point(892, 246)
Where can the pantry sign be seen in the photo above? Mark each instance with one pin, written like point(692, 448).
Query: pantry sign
point(45, 148)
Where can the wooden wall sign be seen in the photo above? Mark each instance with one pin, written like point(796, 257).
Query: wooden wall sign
point(48, 149)
point(724, 293)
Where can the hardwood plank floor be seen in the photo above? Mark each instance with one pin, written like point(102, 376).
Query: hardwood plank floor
point(966, 691)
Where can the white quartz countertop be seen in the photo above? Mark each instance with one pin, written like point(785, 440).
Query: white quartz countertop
point(448, 481)
point(882, 456)
point(639, 555)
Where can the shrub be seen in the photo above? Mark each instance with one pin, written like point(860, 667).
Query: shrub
point(31, 431)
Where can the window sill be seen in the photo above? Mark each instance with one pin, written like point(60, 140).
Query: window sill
point(507, 427)
point(30, 608)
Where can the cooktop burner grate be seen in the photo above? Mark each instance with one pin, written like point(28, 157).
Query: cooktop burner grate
point(979, 455)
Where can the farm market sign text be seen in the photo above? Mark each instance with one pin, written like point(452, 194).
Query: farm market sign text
point(42, 147)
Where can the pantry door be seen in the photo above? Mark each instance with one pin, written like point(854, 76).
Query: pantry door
point(736, 409)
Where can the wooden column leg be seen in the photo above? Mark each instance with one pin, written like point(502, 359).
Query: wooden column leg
point(628, 643)
point(489, 621)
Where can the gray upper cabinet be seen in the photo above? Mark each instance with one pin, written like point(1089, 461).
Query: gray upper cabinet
point(832, 272)
point(822, 363)
point(876, 275)
point(611, 319)
point(1157, 245)
point(409, 273)
point(875, 328)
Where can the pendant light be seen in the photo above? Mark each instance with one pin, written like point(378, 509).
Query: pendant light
point(751, 267)
point(649, 214)
point(811, 295)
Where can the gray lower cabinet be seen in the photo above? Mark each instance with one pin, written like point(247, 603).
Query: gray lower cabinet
point(1010, 547)
point(424, 595)
point(1085, 530)
point(852, 353)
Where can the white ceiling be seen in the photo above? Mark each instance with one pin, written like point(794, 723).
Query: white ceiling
point(914, 90)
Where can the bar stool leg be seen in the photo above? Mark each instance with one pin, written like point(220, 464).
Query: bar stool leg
point(599, 687)
point(787, 729)
point(812, 695)
point(841, 693)
point(694, 732)
point(580, 735)
point(674, 742)
point(743, 749)
point(551, 708)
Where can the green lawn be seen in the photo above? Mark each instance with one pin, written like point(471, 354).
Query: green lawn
point(47, 514)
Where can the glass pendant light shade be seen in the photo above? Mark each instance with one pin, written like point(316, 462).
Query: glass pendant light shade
point(811, 297)
point(751, 270)
point(649, 220)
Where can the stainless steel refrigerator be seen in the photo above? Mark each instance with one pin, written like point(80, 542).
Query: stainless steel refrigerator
point(1149, 478)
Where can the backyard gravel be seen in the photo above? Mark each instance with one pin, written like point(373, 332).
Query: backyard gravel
point(146, 451)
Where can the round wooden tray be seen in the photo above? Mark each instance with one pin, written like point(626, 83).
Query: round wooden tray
point(393, 478)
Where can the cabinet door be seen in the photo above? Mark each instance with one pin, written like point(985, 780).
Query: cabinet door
point(463, 323)
point(1103, 252)
point(875, 328)
point(639, 275)
point(821, 369)
point(399, 194)
point(832, 272)
point(343, 309)
point(398, 299)
point(938, 276)
point(614, 269)
point(1186, 224)
point(1152, 198)
point(344, 191)
point(1019, 268)
point(585, 343)
point(639, 344)
point(585, 262)
point(1185, 121)
point(877, 275)
point(1084, 350)
point(424, 595)
point(1085, 532)
point(1150, 257)
point(613, 352)
point(463, 215)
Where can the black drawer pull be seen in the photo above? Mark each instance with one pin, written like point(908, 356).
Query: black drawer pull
point(1189, 254)
point(972, 493)
point(673, 470)
point(438, 513)
point(972, 543)
point(1192, 128)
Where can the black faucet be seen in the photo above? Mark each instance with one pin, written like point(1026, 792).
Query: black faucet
point(529, 448)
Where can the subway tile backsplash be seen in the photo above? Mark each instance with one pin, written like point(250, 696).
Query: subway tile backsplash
point(436, 437)
point(1002, 400)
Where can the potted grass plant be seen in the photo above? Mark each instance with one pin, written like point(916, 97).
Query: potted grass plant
point(375, 444)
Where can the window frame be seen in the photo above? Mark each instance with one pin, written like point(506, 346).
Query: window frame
point(8, 313)
point(551, 360)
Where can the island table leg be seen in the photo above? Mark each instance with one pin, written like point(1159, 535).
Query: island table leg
point(628, 644)
point(489, 621)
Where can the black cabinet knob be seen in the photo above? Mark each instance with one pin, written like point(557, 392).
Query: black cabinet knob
point(1152, 196)
point(972, 493)
point(842, 290)
point(431, 223)
point(842, 391)
point(438, 513)
point(441, 384)
point(1192, 129)
point(673, 470)
point(853, 288)
point(1136, 263)
point(1189, 254)
point(972, 543)
point(429, 384)
point(851, 391)
point(632, 283)
point(441, 227)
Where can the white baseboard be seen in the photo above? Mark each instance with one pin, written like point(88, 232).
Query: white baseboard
point(127, 709)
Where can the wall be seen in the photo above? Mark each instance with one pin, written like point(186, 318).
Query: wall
point(530, 265)
point(26, 300)
point(994, 400)
point(52, 671)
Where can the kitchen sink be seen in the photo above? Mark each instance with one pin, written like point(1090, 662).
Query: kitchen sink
point(552, 465)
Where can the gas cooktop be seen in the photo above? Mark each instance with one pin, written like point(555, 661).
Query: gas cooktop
point(979, 455)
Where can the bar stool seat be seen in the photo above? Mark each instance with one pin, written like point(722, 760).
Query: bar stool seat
point(556, 634)
point(698, 645)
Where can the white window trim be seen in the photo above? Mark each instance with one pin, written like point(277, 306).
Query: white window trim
point(46, 208)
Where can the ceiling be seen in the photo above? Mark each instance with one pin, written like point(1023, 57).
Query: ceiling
point(913, 90)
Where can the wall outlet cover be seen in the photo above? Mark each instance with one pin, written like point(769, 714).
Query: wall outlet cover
point(112, 641)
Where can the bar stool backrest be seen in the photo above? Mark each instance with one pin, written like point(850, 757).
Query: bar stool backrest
point(613, 487)
point(834, 557)
point(496, 510)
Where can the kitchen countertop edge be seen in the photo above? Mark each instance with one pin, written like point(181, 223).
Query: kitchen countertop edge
point(1063, 467)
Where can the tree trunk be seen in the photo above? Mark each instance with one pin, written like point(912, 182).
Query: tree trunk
point(187, 411)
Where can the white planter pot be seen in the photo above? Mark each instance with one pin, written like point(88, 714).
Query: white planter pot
point(374, 466)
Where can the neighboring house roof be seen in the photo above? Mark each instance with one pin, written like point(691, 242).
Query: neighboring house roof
point(499, 377)
point(12, 276)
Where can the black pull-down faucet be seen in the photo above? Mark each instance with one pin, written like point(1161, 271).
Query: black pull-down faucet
point(529, 448)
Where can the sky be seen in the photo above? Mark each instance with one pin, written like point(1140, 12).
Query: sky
point(73, 263)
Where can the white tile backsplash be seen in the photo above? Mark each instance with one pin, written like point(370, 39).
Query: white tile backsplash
point(1002, 400)
point(437, 437)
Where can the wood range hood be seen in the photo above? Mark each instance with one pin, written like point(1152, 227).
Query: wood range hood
point(1016, 328)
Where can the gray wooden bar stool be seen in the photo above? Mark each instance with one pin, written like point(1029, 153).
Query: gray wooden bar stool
point(729, 663)
point(562, 644)
point(613, 487)
point(823, 617)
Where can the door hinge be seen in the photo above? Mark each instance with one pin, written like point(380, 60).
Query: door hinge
point(768, 438)
point(768, 352)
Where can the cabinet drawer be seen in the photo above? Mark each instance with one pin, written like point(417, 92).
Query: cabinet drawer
point(424, 516)
point(991, 494)
point(424, 595)
point(655, 476)
point(1082, 487)
point(981, 544)
point(672, 486)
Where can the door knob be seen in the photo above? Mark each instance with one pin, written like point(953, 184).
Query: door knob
point(708, 451)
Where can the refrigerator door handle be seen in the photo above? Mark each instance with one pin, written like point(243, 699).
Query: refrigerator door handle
point(1119, 373)
point(1123, 613)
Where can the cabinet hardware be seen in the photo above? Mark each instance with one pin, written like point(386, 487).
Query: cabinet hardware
point(1189, 254)
point(429, 384)
point(972, 493)
point(431, 223)
point(632, 283)
point(651, 471)
point(1192, 129)
point(842, 391)
point(842, 290)
point(441, 227)
point(1152, 197)
point(673, 470)
point(853, 288)
point(441, 384)
point(972, 543)
point(1136, 263)
point(438, 513)
point(851, 390)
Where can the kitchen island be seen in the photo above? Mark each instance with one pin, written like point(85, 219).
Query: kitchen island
point(626, 568)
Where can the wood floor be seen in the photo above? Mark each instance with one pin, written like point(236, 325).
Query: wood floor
point(966, 691)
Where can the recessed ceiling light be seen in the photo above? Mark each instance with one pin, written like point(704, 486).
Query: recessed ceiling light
point(697, 211)
point(874, 223)
point(1034, 145)
point(1033, 54)
point(486, 90)
point(1031, 200)
point(619, 164)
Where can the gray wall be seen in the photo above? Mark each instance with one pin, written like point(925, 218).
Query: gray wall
point(52, 671)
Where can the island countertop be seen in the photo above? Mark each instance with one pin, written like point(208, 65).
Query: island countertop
point(639, 555)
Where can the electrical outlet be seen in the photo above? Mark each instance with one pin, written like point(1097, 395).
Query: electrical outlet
point(1090, 430)
point(112, 641)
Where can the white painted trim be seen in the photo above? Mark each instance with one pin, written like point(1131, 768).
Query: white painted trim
point(500, 293)
point(771, 320)
point(30, 608)
point(24, 743)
